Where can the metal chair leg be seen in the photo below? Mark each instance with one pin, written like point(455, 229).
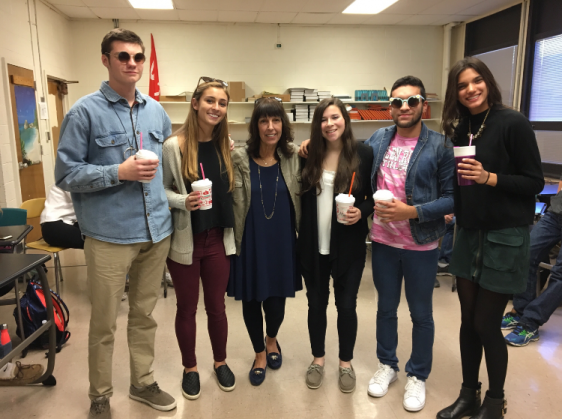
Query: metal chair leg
point(57, 270)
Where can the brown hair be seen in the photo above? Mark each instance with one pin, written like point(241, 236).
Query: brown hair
point(119, 34)
point(190, 131)
point(269, 107)
point(453, 110)
point(348, 160)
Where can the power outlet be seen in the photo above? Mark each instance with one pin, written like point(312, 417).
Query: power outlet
point(278, 46)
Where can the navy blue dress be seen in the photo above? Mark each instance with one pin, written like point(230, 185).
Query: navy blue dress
point(267, 265)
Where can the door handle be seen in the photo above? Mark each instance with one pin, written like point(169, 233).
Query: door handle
point(22, 165)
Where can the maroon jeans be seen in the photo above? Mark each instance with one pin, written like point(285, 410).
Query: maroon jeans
point(212, 265)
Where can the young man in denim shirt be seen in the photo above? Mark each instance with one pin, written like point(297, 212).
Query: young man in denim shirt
point(123, 212)
point(416, 165)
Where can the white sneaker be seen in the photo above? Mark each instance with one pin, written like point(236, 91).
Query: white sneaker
point(414, 397)
point(378, 385)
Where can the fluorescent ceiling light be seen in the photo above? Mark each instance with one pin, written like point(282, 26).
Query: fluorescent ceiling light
point(368, 7)
point(152, 4)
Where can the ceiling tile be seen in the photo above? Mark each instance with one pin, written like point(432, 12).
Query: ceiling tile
point(313, 18)
point(115, 12)
point(282, 6)
point(199, 15)
point(67, 2)
point(236, 16)
point(485, 7)
point(158, 14)
point(386, 19)
point(107, 3)
point(326, 6)
point(422, 19)
point(275, 17)
point(411, 7)
point(76, 12)
point(451, 19)
point(341, 19)
point(448, 7)
point(195, 5)
point(241, 5)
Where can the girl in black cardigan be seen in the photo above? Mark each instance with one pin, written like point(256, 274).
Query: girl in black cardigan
point(325, 246)
point(491, 252)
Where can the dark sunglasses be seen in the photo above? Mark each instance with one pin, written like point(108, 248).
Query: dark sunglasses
point(125, 57)
point(210, 80)
point(412, 101)
point(278, 99)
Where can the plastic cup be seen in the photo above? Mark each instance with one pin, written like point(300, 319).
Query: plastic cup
point(205, 187)
point(146, 155)
point(343, 203)
point(383, 195)
point(468, 152)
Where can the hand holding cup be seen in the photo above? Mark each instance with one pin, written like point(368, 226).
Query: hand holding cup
point(138, 170)
point(193, 201)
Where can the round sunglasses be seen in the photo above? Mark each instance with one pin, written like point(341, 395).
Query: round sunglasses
point(412, 101)
point(125, 57)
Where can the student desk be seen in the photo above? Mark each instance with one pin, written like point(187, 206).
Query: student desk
point(11, 268)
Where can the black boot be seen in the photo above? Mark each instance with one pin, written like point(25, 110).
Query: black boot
point(491, 409)
point(467, 404)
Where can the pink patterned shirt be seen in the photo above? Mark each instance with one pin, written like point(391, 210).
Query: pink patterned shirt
point(392, 176)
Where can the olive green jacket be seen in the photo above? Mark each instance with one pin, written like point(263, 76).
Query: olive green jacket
point(241, 197)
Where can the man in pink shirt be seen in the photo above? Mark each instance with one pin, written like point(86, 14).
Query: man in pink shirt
point(416, 164)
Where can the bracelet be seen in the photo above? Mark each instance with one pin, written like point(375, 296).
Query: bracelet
point(487, 179)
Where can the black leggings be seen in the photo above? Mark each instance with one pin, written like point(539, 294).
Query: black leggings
point(482, 311)
point(60, 234)
point(274, 309)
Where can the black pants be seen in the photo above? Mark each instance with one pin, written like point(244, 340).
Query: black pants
point(274, 309)
point(60, 234)
point(481, 312)
point(345, 292)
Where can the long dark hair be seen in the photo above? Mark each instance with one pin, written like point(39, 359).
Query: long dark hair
point(453, 110)
point(348, 161)
point(269, 107)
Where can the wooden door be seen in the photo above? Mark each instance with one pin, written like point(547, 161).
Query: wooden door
point(27, 140)
point(56, 112)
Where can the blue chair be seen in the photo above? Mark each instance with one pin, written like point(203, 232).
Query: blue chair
point(13, 217)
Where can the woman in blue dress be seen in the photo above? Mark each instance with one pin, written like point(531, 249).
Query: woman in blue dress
point(266, 218)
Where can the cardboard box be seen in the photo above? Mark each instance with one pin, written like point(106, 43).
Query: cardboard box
point(182, 97)
point(237, 90)
point(284, 98)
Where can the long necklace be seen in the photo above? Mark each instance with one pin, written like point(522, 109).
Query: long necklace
point(482, 127)
point(269, 217)
point(132, 149)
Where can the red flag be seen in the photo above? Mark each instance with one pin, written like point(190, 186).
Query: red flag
point(154, 85)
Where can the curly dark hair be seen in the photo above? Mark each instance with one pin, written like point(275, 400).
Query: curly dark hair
point(265, 108)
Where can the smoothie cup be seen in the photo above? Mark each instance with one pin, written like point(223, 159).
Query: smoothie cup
point(205, 188)
point(146, 155)
point(343, 203)
point(468, 152)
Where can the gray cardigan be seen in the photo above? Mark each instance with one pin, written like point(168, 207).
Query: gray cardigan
point(181, 247)
point(241, 197)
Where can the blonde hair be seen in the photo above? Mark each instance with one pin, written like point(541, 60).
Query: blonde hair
point(190, 131)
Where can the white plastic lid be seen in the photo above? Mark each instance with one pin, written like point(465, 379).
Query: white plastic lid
point(345, 199)
point(202, 183)
point(383, 195)
point(469, 150)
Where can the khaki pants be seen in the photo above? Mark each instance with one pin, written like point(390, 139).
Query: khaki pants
point(108, 265)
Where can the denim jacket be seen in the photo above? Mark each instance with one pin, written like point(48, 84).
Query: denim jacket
point(429, 180)
point(94, 136)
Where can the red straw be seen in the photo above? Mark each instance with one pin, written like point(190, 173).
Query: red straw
point(202, 172)
point(351, 187)
point(141, 140)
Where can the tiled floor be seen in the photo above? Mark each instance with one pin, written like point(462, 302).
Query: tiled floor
point(533, 383)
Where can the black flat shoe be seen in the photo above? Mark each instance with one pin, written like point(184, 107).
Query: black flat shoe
point(274, 359)
point(257, 375)
point(225, 378)
point(190, 387)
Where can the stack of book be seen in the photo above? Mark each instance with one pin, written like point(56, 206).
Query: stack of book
point(301, 113)
point(344, 98)
point(311, 95)
point(291, 115)
point(432, 96)
point(324, 94)
point(297, 94)
point(311, 109)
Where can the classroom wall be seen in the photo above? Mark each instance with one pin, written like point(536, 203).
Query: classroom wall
point(18, 46)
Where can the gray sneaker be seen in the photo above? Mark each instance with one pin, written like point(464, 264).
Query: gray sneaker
point(99, 409)
point(153, 396)
point(347, 379)
point(314, 376)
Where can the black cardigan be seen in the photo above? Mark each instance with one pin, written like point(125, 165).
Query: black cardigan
point(508, 147)
point(347, 243)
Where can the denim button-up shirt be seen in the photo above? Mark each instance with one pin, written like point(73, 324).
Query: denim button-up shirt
point(94, 136)
point(429, 179)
